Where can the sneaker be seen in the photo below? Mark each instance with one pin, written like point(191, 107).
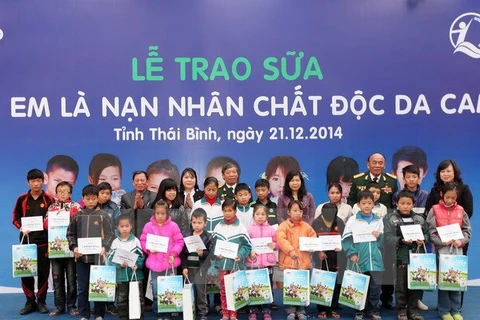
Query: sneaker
point(447, 316)
point(98, 318)
point(358, 316)
point(112, 309)
point(422, 306)
point(73, 311)
point(29, 308)
point(84, 318)
point(42, 307)
point(252, 316)
point(402, 316)
point(375, 317)
point(415, 316)
point(56, 312)
point(267, 316)
point(457, 316)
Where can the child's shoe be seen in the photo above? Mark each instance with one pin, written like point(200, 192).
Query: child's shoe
point(252, 316)
point(447, 316)
point(457, 316)
point(291, 316)
point(358, 316)
point(415, 316)
point(267, 316)
point(402, 316)
point(375, 317)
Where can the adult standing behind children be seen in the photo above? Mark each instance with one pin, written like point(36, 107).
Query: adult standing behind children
point(30, 204)
point(140, 198)
point(189, 191)
point(295, 189)
point(376, 172)
point(231, 174)
point(62, 266)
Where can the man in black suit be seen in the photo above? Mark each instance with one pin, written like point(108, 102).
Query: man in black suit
point(140, 198)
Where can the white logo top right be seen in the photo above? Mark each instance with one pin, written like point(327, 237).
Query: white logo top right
point(458, 34)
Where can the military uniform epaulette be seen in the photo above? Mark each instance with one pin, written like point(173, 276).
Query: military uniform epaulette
point(391, 175)
point(358, 175)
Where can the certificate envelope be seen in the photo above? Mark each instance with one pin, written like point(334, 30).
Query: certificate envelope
point(122, 255)
point(157, 243)
point(363, 235)
point(260, 245)
point(193, 243)
point(328, 243)
point(89, 245)
point(450, 232)
point(32, 223)
point(226, 249)
point(309, 244)
point(412, 232)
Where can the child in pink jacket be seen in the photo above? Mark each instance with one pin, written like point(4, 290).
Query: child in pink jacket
point(260, 228)
point(162, 263)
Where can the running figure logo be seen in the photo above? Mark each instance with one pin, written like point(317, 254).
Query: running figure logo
point(458, 35)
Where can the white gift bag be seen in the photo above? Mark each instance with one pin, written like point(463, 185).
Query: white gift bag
point(354, 289)
point(134, 305)
point(188, 300)
point(453, 271)
point(296, 287)
point(322, 286)
point(259, 288)
point(236, 290)
point(102, 283)
point(24, 259)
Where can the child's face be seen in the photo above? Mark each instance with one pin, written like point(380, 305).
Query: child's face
point(217, 173)
point(140, 182)
point(188, 181)
point(124, 227)
point(55, 176)
point(405, 205)
point(401, 179)
point(260, 216)
point(112, 176)
point(295, 213)
point(262, 193)
point(63, 193)
point(198, 224)
point(242, 197)
point(411, 180)
point(295, 183)
point(366, 206)
point(276, 182)
point(211, 190)
point(160, 215)
point(447, 174)
point(90, 201)
point(170, 195)
point(450, 197)
point(154, 181)
point(376, 193)
point(35, 185)
point(104, 196)
point(334, 195)
point(230, 176)
point(229, 212)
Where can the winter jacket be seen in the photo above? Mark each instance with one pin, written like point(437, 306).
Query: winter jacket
point(158, 261)
point(420, 195)
point(180, 217)
point(112, 209)
point(90, 223)
point(68, 205)
point(288, 238)
point(214, 212)
point(27, 206)
point(263, 230)
point(192, 259)
point(369, 253)
point(394, 237)
point(464, 199)
point(132, 244)
point(236, 233)
point(440, 216)
point(245, 215)
point(335, 260)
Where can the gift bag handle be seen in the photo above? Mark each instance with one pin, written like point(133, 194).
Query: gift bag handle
point(457, 250)
point(424, 249)
point(23, 236)
point(235, 266)
point(134, 275)
point(186, 279)
point(357, 267)
point(173, 271)
point(326, 263)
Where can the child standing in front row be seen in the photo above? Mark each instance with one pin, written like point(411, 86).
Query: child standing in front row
point(260, 228)
point(232, 230)
point(406, 299)
point(128, 242)
point(162, 263)
point(366, 254)
point(448, 212)
point(290, 256)
point(89, 222)
point(195, 264)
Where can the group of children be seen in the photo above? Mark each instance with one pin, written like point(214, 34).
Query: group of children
point(238, 219)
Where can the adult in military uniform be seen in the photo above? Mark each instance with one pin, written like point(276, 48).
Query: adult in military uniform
point(230, 174)
point(376, 172)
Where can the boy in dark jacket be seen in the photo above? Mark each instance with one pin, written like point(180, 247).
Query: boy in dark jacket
point(89, 222)
point(195, 264)
point(34, 203)
point(406, 299)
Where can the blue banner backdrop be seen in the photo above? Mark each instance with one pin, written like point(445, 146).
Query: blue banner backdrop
point(189, 81)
